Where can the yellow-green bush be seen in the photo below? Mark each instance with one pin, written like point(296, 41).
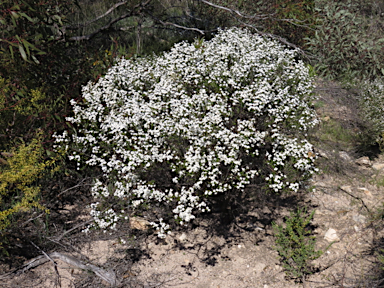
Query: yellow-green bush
point(31, 105)
point(20, 170)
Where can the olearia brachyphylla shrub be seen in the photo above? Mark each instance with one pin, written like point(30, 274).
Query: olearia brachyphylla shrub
point(203, 119)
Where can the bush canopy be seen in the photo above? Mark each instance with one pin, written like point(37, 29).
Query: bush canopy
point(204, 119)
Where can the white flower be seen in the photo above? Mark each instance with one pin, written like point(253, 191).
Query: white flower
point(205, 114)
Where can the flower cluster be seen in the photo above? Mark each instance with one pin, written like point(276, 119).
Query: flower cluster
point(197, 121)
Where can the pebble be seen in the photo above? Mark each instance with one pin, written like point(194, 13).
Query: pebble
point(364, 161)
point(359, 218)
point(344, 155)
point(183, 237)
point(378, 166)
point(331, 235)
point(366, 192)
point(346, 189)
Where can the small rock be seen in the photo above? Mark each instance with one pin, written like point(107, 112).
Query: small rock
point(364, 161)
point(356, 228)
point(344, 155)
point(378, 166)
point(182, 237)
point(139, 223)
point(359, 218)
point(331, 235)
point(318, 212)
point(319, 184)
point(259, 267)
point(322, 153)
point(346, 189)
point(366, 192)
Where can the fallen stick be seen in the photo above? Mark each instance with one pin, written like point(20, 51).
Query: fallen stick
point(53, 262)
point(107, 275)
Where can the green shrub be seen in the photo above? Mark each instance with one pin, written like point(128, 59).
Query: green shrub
point(20, 170)
point(345, 43)
point(295, 245)
point(372, 107)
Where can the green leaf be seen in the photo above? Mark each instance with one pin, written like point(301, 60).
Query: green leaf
point(13, 21)
point(11, 50)
point(26, 16)
point(22, 52)
point(15, 15)
point(35, 59)
point(16, 7)
point(58, 18)
point(19, 93)
point(26, 45)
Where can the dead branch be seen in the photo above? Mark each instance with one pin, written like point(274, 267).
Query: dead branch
point(73, 187)
point(70, 230)
point(357, 198)
point(50, 259)
point(182, 27)
point(82, 25)
point(235, 13)
point(31, 219)
point(140, 8)
point(107, 275)
point(238, 13)
point(257, 17)
point(111, 22)
point(110, 10)
point(104, 28)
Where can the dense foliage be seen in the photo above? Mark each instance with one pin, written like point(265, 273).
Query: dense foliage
point(29, 27)
point(347, 44)
point(204, 119)
point(39, 73)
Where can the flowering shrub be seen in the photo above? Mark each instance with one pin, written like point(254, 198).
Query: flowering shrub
point(204, 119)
